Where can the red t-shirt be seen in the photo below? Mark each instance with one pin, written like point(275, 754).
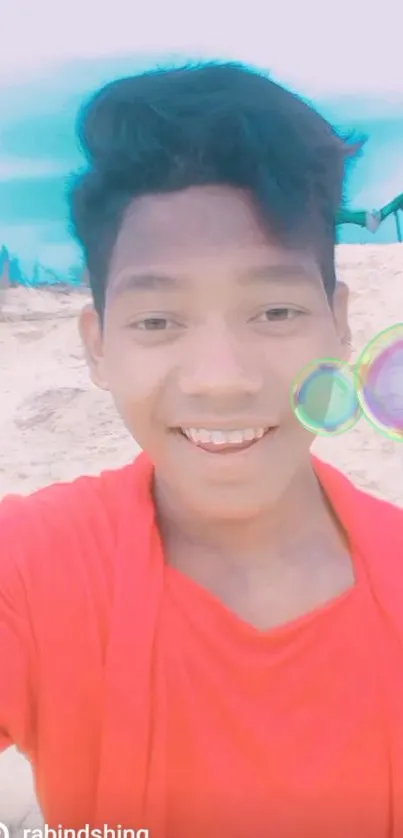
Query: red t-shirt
point(144, 702)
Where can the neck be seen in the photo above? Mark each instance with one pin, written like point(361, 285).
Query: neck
point(300, 517)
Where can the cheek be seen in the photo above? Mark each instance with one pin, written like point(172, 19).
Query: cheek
point(319, 344)
point(136, 378)
point(290, 357)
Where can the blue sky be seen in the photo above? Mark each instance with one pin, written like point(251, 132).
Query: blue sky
point(348, 47)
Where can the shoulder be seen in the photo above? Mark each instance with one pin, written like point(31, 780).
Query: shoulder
point(59, 508)
point(65, 532)
point(375, 529)
point(358, 509)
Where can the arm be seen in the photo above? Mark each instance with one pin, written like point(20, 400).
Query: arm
point(16, 644)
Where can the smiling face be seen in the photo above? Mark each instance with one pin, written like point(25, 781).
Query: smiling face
point(207, 322)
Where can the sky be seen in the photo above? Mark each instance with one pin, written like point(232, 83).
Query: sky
point(351, 46)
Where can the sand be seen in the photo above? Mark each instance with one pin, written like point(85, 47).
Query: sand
point(54, 425)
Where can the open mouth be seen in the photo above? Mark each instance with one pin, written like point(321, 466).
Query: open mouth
point(225, 441)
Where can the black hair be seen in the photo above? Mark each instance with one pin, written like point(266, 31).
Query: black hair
point(213, 123)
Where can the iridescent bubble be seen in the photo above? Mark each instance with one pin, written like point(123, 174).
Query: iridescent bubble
point(379, 382)
point(324, 399)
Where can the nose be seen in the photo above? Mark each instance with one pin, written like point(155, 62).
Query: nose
point(220, 365)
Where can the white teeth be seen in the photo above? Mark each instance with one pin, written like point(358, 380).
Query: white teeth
point(218, 437)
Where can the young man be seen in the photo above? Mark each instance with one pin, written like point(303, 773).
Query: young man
point(208, 642)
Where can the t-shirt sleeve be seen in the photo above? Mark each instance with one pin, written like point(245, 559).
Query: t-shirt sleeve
point(16, 641)
point(57, 549)
point(57, 571)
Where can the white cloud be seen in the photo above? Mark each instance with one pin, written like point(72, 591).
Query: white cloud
point(350, 47)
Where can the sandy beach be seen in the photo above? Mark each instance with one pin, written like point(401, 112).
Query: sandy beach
point(55, 425)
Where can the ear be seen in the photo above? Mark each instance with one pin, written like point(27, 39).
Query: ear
point(90, 329)
point(340, 313)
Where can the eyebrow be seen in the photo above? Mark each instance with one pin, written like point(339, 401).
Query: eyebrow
point(267, 274)
point(148, 281)
point(280, 273)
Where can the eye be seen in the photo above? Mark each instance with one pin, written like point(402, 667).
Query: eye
point(153, 324)
point(279, 314)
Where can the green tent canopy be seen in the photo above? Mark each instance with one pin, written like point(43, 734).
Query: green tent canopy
point(370, 220)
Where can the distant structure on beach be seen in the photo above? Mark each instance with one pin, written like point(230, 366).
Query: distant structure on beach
point(4, 268)
point(10, 271)
point(12, 275)
point(372, 220)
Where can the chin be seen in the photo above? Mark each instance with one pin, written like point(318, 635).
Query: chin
point(233, 504)
point(238, 487)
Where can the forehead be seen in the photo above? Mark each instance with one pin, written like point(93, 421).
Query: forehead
point(183, 230)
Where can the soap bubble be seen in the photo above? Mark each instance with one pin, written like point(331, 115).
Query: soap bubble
point(324, 399)
point(379, 382)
